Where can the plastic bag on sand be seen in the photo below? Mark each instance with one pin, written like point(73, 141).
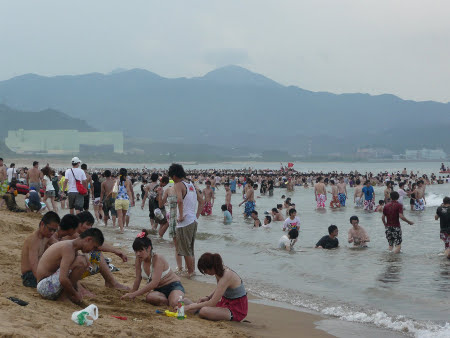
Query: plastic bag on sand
point(87, 316)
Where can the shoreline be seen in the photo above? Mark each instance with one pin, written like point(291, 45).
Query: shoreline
point(265, 321)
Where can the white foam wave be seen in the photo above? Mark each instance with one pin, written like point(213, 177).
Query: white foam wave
point(378, 318)
point(433, 199)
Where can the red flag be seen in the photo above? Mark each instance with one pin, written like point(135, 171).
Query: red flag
point(290, 165)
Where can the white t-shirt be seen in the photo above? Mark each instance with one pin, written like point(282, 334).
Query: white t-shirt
point(290, 224)
point(79, 175)
point(48, 184)
point(402, 194)
point(10, 172)
point(285, 242)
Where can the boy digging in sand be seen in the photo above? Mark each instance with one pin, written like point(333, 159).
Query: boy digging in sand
point(60, 267)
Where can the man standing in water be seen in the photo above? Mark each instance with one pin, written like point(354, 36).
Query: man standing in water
point(443, 215)
point(358, 196)
point(249, 199)
point(420, 197)
point(320, 193)
point(186, 229)
point(228, 198)
point(208, 195)
point(392, 213)
point(35, 176)
point(342, 191)
point(369, 196)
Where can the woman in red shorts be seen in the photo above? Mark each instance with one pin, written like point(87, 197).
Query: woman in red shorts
point(229, 300)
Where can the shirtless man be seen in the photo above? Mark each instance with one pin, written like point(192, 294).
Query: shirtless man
point(334, 196)
point(320, 193)
point(60, 267)
point(387, 192)
point(358, 195)
point(213, 183)
point(97, 262)
point(35, 245)
point(420, 197)
point(35, 176)
point(151, 194)
point(249, 199)
point(3, 182)
point(107, 199)
point(357, 234)
point(228, 198)
point(208, 196)
point(342, 191)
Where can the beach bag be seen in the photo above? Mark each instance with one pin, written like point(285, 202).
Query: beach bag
point(87, 316)
point(80, 187)
point(115, 190)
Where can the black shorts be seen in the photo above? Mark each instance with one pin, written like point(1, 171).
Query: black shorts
point(412, 201)
point(29, 280)
point(167, 289)
point(394, 235)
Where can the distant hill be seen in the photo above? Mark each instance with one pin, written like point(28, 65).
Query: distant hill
point(230, 106)
point(12, 119)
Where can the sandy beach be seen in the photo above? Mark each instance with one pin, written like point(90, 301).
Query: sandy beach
point(53, 318)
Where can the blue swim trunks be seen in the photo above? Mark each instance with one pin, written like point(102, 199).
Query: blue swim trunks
point(249, 207)
point(342, 199)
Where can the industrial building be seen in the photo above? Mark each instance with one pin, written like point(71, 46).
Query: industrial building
point(63, 141)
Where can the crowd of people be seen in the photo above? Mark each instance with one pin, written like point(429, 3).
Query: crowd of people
point(50, 259)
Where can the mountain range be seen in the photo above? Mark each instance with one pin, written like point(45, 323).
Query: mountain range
point(232, 106)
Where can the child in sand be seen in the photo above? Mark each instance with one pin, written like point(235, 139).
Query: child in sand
point(35, 245)
point(163, 286)
point(60, 267)
point(229, 300)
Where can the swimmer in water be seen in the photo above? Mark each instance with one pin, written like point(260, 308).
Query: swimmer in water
point(356, 234)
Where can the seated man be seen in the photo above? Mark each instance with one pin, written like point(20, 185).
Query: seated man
point(67, 227)
point(60, 268)
point(35, 245)
point(97, 262)
point(330, 241)
point(10, 199)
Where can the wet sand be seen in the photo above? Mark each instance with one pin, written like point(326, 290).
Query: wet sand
point(53, 318)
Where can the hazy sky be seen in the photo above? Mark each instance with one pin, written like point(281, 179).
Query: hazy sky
point(382, 46)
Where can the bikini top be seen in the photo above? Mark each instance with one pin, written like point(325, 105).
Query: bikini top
point(149, 278)
point(236, 292)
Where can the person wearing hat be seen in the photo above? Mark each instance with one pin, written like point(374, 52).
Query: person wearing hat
point(72, 175)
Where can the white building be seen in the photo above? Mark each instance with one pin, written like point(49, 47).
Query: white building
point(425, 154)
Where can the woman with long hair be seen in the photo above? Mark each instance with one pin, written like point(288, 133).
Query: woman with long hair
point(229, 300)
point(163, 286)
point(125, 197)
point(49, 189)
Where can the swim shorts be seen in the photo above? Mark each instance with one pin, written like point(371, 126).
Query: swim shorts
point(342, 199)
point(108, 206)
point(230, 209)
point(76, 201)
point(368, 204)
point(320, 199)
point(207, 209)
point(238, 307)
point(335, 202)
point(359, 202)
point(3, 187)
point(50, 287)
point(249, 207)
point(419, 204)
point(94, 264)
point(394, 235)
point(29, 280)
point(186, 239)
point(446, 238)
point(167, 289)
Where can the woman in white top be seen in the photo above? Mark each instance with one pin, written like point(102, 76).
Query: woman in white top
point(49, 189)
point(163, 286)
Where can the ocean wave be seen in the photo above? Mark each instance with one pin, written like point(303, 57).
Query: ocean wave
point(408, 326)
point(433, 199)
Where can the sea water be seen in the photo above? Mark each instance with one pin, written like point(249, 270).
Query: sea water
point(408, 293)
